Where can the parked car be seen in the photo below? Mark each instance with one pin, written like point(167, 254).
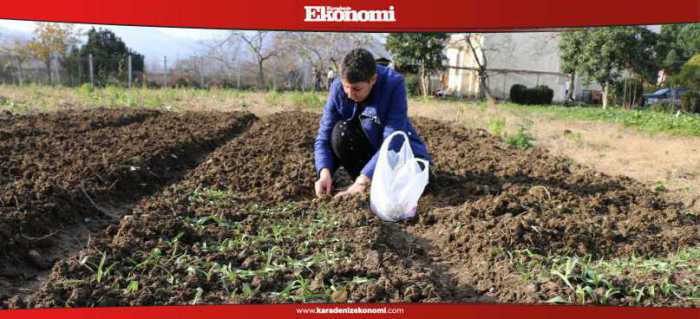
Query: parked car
point(665, 95)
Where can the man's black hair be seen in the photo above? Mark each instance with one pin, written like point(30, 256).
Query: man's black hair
point(358, 66)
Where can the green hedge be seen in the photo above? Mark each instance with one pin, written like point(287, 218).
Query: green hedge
point(540, 94)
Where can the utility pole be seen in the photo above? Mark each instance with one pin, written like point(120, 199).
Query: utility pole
point(201, 72)
point(165, 71)
point(92, 70)
point(129, 63)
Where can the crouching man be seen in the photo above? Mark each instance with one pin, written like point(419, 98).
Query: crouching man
point(365, 105)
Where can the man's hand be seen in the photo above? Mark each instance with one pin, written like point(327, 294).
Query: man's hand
point(324, 184)
point(359, 186)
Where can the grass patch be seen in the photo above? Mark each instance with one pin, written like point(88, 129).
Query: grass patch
point(660, 187)
point(522, 139)
point(32, 97)
point(309, 100)
point(620, 281)
point(273, 98)
point(643, 120)
point(497, 126)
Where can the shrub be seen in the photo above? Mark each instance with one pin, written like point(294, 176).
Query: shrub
point(544, 94)
point(689, 76)
point(690, 102)
point(522, 139)
point(412, 84)
point(518, 93)
point(663, 107)
point(540, 94)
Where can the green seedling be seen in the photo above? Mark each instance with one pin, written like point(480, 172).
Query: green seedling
point(522, 139)
point(285, 294)
point(197, 296)
point(594, 278)
point(609, 293)
point(102, 272)
point(99, 270)
point(132, 287)
point(212, 270)
point(590, 281)
point(638, 293)
point(557, 299)
point(360, 280)
point(659, 187)
point(568, 269)
point(247, 291)
point(497, 126)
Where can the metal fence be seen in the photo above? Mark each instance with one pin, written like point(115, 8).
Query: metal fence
point(71, 71)
point(79, 70)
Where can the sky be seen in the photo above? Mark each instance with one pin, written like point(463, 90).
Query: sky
point(154, 43)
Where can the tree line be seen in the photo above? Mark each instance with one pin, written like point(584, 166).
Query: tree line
point(292, 60)
point(58, 47)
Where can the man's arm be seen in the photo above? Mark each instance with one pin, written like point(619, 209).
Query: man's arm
point(323, 155)
point(396, 119)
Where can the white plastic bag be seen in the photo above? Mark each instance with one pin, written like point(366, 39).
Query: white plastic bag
point(398, 181)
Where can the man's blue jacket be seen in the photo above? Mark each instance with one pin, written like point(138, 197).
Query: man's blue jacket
point(385, 112)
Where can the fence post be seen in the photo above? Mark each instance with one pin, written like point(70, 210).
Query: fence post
point(57, 69)
point(92, 70)
point(238, 81)
point(201, 72)
point(129, 64)
point(50, 70)
point(19, 72)
point(80, 71)
point(165, 71)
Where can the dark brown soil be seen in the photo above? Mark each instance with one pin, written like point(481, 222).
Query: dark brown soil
point(55, 169)
point(249, 206)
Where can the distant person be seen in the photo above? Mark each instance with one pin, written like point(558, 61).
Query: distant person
point(330, 77)
point(317, 79)
point(365, 106)
point(661, 78)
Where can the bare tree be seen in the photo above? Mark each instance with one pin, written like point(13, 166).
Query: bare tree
point(223, 57)
point(189, 71)
point(481, 60)
point(261, 49)
point(287, 69)
point(288, 55)
point(19, 51)
point(323, 50)
point(53, 40)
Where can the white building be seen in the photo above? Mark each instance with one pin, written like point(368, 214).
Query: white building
point(527, 58)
